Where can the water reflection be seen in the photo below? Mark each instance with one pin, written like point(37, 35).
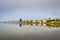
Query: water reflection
point(28, 32)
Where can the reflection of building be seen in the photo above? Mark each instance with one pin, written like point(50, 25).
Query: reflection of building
point(11, 22)
point(53, 22)
point(33, 22)
point(47, 22)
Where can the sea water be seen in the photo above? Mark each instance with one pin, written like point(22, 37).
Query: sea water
point(9, 31)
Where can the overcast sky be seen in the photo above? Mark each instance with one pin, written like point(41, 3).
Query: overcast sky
point(28, 9)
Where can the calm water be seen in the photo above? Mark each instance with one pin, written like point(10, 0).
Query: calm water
point(28, 32)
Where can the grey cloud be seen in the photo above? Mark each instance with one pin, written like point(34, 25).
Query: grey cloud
point(52, 6)
point(23, 3)
point(13, 4)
